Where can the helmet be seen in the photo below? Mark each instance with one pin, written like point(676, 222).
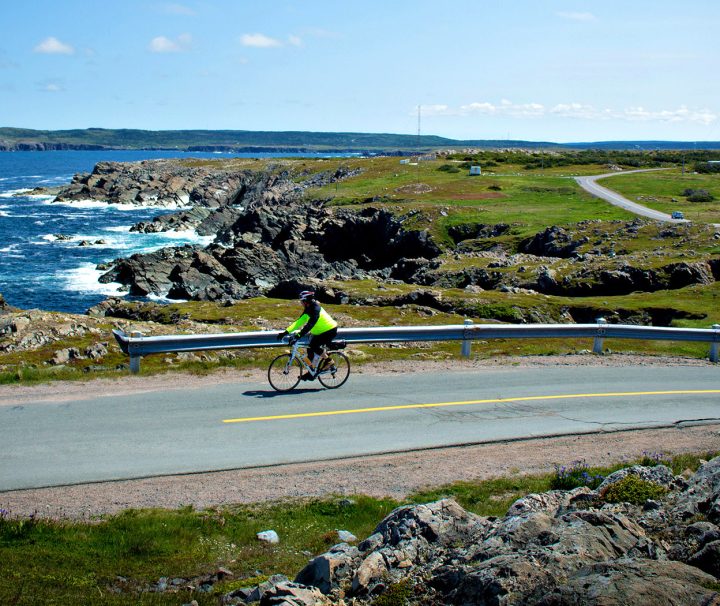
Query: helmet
point(307, 295)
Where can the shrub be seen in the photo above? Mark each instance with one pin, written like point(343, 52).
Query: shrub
point(495, 188)
point(698, 195)
point(706, 167)
point(397, 594)
point(632, 489)
point(575, 475)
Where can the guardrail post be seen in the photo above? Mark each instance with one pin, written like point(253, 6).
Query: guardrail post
point(134, 360)
point(598, 345)
point(715, 346)
point(465, 350)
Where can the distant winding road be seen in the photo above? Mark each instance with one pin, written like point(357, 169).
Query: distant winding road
point(590, 185)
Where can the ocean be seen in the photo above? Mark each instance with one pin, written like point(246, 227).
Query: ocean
point(40, 270)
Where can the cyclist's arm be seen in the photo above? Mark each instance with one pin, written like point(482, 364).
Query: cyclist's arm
point(313, 315)
point(297, 323)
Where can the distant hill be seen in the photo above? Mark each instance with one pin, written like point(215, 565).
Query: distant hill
point(13, 139)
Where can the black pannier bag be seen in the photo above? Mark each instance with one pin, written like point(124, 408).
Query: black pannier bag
point(338, 344)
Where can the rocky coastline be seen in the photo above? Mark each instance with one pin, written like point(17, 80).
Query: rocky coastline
point(269, 236)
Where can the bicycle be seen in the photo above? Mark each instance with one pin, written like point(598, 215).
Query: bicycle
point(285, 371)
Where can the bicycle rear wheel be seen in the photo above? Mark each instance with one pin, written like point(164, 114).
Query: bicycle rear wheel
point(336, 371)
point(284, 372)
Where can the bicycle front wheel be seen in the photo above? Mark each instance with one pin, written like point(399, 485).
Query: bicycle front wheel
point(336, 371)
point(284, 372)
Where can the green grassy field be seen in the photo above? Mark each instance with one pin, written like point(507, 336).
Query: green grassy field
point(663, 191)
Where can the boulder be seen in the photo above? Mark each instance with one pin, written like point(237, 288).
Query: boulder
point(329, 570)
point(634, 582)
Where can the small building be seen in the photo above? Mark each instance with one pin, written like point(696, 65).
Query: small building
point(405, 161)
point(475, 170)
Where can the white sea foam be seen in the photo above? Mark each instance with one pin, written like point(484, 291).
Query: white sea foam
point(8, 249)
point(114, 205)
point(14, 192)
point(4, 213)
point(121, 238)
point(118, 228)
point(164, 299)
point(86, 279)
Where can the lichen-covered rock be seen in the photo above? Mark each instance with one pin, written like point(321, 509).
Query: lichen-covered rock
point(547, 502)
point(633, 582)
point(329, 570)
point(294, 594)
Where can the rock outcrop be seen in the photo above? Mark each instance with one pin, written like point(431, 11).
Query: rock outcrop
point(555, 549)
point(270, 242)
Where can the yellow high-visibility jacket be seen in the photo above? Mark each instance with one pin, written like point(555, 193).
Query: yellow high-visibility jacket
point(315, 321)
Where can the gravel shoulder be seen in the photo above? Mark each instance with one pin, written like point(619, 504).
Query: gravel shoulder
point(394, 475)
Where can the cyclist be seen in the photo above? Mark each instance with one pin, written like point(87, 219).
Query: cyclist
point(322, 328)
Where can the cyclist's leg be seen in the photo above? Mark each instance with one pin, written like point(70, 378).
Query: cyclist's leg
point(318, 347)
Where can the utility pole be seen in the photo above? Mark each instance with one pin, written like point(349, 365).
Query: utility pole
point(417, 170)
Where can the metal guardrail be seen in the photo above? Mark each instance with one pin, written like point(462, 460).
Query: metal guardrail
point(137, 345)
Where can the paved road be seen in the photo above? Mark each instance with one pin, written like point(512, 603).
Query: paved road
point(229, 426)
point(590, 185)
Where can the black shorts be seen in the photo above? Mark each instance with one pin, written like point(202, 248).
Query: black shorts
point(317, 341)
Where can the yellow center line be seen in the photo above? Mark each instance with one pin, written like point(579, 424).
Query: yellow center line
point(350, 411)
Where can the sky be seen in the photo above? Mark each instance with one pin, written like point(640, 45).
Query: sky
point(538, 70)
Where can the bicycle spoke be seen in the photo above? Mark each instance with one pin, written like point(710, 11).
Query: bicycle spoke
point(336, 372)
point(284, 373)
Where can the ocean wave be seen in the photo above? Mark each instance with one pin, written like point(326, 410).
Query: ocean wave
point(85, 279)
point(95, 204)
point(8, 249)
point(121, 238)
point(4, 213)
point(14, 192)
point(164, 299)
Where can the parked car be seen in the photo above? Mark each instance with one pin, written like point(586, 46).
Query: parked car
point(677, 215)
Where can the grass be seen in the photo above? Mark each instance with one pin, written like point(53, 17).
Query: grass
point(118, 559)
point(691, 307)
point(663, 191)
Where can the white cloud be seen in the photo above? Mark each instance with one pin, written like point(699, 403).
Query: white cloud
point(294, 41)
point(577, 16)
point(433, 110)
point(53, 88)
point(577, 111)
point(53, 46)
point(481, 108)
point(259, 41)
point(635, 114)
point(505, 108)
point(162, 44)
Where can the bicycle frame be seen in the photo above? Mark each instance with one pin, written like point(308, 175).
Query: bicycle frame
point(295, 356)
